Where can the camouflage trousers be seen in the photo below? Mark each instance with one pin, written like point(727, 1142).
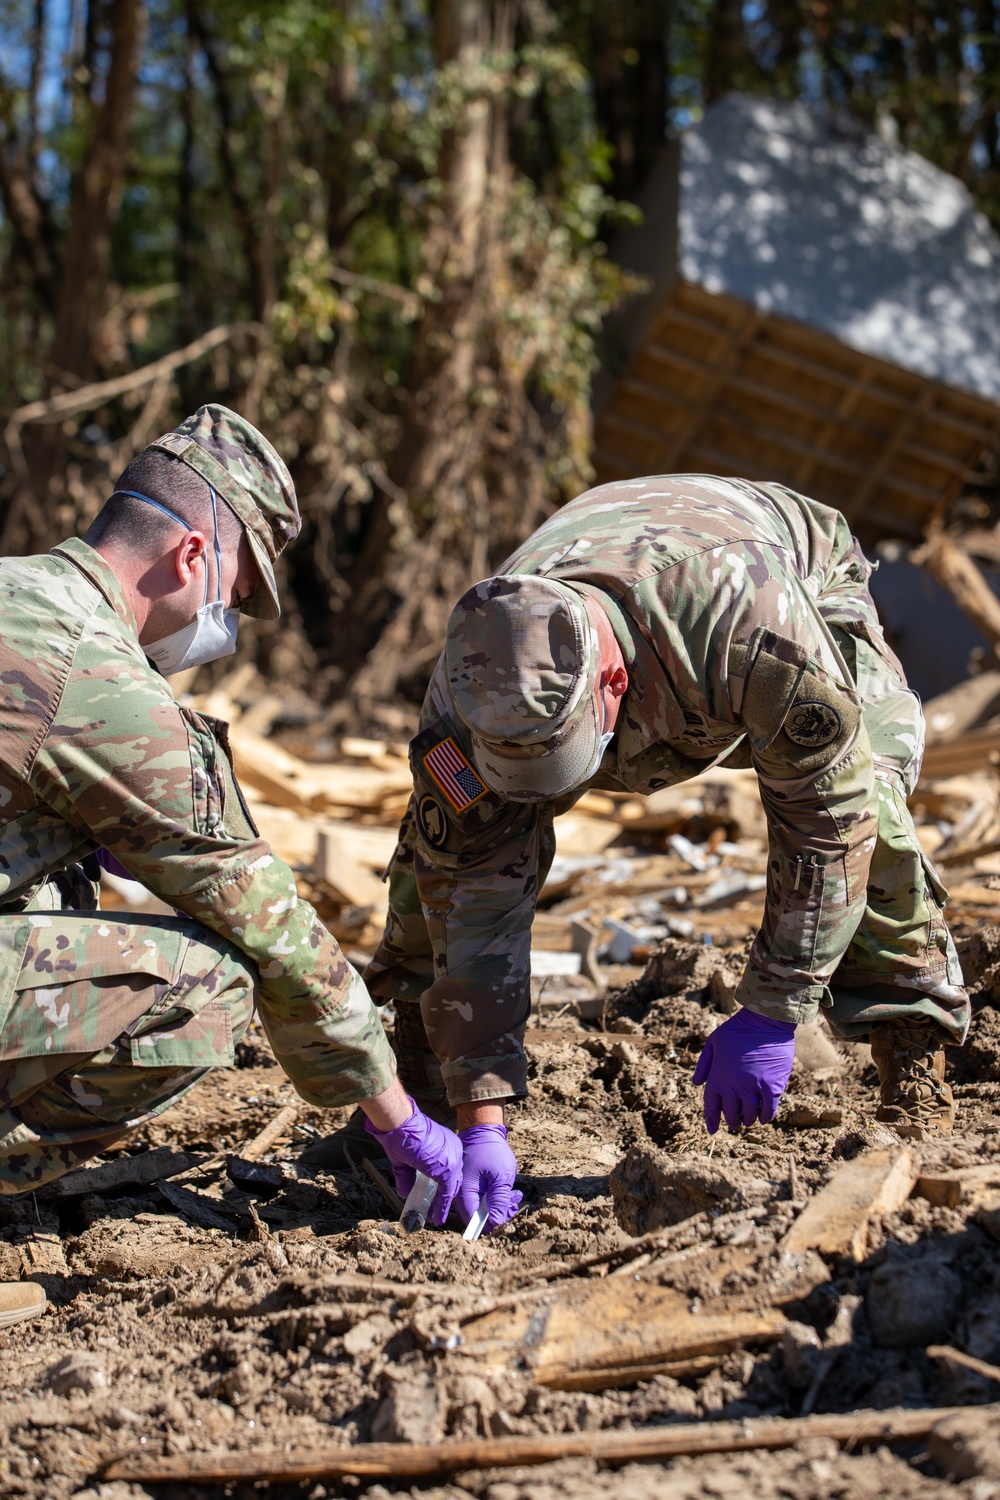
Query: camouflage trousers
point(105, 1021)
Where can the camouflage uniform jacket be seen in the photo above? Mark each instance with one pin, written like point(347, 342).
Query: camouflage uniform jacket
point(94, 750)
point(722, 595)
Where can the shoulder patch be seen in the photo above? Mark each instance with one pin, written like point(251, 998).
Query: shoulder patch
point(450, 771)
point(812, 724)
point(432, 821)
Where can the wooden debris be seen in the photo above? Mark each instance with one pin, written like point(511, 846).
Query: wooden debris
point(964, 1185)
point(609, 1325)
point(388, 1192)
point(126, 1171)
point(387, 1460)
point(338, 867)
point(967, 1361)
point(835, 1222)
point(973, 751)
point(42, 1254)
point(272, 1132)
point(196, 1206)
point(952, 566)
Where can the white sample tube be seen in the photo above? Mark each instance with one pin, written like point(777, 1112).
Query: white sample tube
point(418, 1203)
point(477, 1223)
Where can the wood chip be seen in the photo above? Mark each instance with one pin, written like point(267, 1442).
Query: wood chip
point(969, 1185)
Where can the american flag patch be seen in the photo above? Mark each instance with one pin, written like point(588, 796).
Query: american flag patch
point(454, 775)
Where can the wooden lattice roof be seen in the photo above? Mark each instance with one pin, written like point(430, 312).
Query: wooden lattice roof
point(711, 381)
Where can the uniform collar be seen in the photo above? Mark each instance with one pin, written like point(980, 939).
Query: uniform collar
point(93, 567)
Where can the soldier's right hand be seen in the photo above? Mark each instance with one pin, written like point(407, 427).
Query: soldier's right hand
point(420, 1144)
point(744, 1066)
point(488, 1170)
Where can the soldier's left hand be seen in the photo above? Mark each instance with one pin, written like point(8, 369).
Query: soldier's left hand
point(744, 1066)
point(488, 1171)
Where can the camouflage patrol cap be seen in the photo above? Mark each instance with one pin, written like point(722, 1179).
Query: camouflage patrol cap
point(249, 475)
point(523, 661)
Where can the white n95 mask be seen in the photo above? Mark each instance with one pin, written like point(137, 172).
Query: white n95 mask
point(212, 633)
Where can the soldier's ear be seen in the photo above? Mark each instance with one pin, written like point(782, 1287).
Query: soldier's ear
point(190, 550)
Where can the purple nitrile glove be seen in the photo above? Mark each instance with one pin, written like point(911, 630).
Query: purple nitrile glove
point(744, 1066)
point(420, 1144)
point(489, 1167)
point(107, 861)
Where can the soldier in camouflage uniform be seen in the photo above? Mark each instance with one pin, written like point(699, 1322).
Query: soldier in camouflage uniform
point(651, 629)
point(106, 1019)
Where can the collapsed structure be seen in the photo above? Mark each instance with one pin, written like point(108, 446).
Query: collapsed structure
point(823, 310)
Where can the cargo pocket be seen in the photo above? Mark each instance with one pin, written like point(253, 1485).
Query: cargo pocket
point(815, 890)
point(204, 1040)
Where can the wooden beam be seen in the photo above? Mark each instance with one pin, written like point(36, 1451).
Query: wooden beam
point(388, 1460)
point(698, 412)
point(952, 566)
point(907, 423)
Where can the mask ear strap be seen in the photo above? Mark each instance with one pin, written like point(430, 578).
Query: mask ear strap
point(218, 551)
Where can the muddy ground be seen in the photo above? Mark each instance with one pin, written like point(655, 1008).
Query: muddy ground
point(307, 1318)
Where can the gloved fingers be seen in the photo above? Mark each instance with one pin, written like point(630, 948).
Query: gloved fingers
point(441, 1207)
point(500, 1205)
point(713, 1108)
point(404, 1178)
point(732, 1109)
point(704, 1066)
point(752, 1106)
point(770, 1098)
point(469, 1195)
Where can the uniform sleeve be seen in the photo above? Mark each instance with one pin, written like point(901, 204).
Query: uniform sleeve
point(125, 765)
point(477, 865)
point(814, 763)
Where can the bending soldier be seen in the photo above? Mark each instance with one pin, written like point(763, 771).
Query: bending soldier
point(105, 1020)
point(650, 629)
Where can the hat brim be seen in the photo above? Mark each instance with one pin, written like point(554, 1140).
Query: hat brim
point(263, 603)
point(551, 770)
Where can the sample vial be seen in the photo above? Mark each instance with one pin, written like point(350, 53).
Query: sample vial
point(418, 1203)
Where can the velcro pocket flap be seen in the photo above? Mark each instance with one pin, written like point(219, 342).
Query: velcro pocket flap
point(204, 1040)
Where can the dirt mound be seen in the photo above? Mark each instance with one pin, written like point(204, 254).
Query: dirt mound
point(650, 1189)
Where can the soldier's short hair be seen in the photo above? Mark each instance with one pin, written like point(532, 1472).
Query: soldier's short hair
point(139, 526)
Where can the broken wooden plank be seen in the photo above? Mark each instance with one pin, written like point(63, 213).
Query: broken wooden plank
point(126, 1171)
point(387, 1460)
point(338, 866)
point(969, 1185)
point(609, 1325)
point(272, 1132)
point(973, 751)
point(835, 1222)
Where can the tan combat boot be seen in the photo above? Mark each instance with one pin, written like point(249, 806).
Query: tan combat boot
point(20, 1300)
point(916, 1101)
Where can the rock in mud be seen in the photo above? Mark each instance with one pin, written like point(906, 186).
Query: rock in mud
point(912, 1301)
point(967, 1446)
point(801, 1347)
point(410, 1412)
point(77, 1372)
point(650, 1188)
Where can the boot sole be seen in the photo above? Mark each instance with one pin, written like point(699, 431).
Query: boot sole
point(11, 1315)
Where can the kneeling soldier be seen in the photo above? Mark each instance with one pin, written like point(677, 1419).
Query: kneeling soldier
point(106, 1020)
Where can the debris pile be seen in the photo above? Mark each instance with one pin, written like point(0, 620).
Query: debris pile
point(220, 1312)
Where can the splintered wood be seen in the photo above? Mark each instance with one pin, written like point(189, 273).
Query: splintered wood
point(835, 1222)
point(609, 1332)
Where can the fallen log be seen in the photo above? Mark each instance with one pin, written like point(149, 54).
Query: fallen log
point(388, 1460)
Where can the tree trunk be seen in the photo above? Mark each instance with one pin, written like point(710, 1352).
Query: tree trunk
point(442, 444)
point(82, 281)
